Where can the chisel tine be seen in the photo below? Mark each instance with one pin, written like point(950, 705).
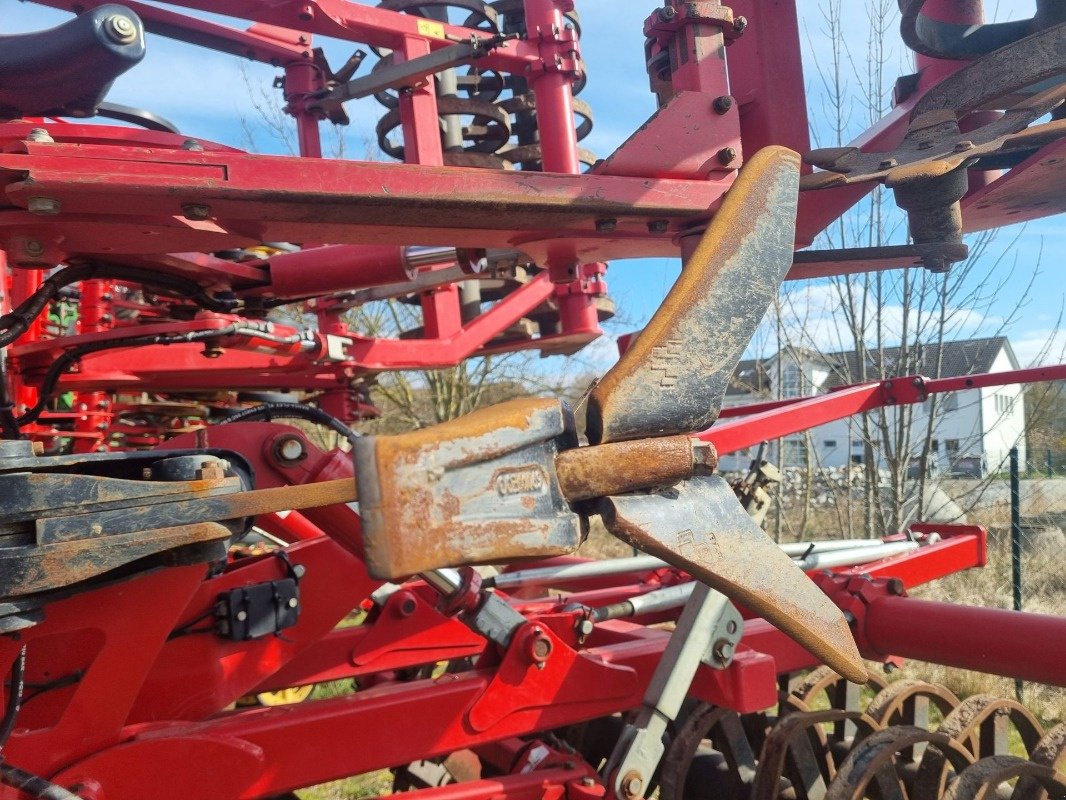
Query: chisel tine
point(672, 379)
point(698, 525)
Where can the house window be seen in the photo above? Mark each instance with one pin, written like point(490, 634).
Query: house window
point(790, 381)
point(951, 446)
point(795, 452)
point(830, 443)
point(934, 446)
point(1004, 403)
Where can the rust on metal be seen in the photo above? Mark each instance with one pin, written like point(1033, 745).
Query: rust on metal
point(981, 781)
point(897, 703)
point(673, 377)
point(700, 527)
point(478, 489)
point(874, 761)
point(799, 746)
point(39, 568)
point(190, 511)
point(619, 467)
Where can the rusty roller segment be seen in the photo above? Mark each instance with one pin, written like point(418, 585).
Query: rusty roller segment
point(673, 377)
point(699, 526)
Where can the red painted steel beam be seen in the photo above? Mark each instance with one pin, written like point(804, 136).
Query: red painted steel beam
point(761, 422)
point(1014, 644)
point(963, 547)
point(270, 198)
point(728, 437)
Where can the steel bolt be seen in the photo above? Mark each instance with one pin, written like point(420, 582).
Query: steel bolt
point(658, 226)
point(632, 784)
point(723, 650)
point(585, 627)
point(293, 602)
point(740, 24)
point(39, 135)
point(587, 781)
point(888, 163)
point(45, 206)
point(289, 449)
point(120, 29)
point(667, 13)
point(242, 616)
point(731, 626)
point(196, 211)
point(606, 225)
point(963, 146)
point(727, 155)
point(192, 146)
point(722, 104)
point(896, 587)
point(538, 647)
point(33, 248)
point(704, 455)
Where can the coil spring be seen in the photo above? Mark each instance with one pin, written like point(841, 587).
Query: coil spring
point(492, 117)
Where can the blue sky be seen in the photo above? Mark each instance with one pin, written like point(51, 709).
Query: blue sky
point(207, 94)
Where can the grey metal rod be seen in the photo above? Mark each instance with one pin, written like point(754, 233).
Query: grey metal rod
point(803, 548)
point(589, 569)
point(858, 555)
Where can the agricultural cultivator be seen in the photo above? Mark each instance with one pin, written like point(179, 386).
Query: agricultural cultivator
point(146, 383)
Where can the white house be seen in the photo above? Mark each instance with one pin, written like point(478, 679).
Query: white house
point(972, 430)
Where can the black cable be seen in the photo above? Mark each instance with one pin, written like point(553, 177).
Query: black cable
point(295, 410)
point(14, 697)
point(33, 785)
point(16, 322)
point(8, 423)
point(69, 358)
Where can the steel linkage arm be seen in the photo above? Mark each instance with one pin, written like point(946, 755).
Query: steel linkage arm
point(887, 623)
point(771, 420)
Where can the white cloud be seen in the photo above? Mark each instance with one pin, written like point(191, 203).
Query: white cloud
point(1040, 347)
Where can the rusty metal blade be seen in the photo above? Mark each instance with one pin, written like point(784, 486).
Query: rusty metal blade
point(699, 526)
point(672, 379)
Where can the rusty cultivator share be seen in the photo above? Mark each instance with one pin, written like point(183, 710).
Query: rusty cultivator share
point(177, 560)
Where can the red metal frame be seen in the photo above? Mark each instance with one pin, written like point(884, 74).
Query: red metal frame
point(127, 710)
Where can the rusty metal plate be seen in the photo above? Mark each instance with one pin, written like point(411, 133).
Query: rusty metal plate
point(699, 526)
point(479, 489)
point(672, 379)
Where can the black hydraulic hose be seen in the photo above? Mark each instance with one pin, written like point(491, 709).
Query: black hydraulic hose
point(8, 424)
point(14, 696)
point(295, 410)
point(69, 358)
point(16, 322)
point(33, 785)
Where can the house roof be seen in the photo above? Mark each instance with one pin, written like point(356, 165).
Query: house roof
point(950, 359)
point(947, 360)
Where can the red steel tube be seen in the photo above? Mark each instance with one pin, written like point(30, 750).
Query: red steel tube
point(336, 268)
point(1014, 644)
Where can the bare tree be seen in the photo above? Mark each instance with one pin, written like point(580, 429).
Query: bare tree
point(894, 323)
